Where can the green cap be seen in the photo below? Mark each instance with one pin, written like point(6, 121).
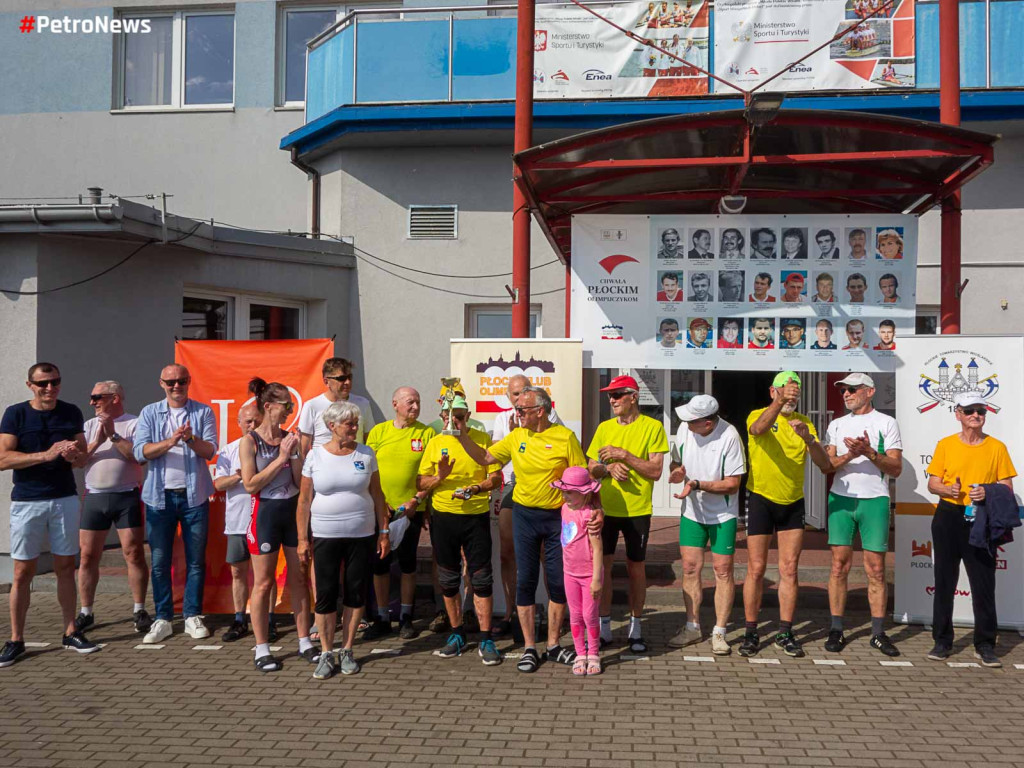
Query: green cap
point(458, 402)
point(783, 378)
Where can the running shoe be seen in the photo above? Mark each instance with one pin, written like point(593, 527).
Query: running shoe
point(142, 620)
point(940, 652)
point(237, 630)
point(750, 645)
point(440, 622)
point(12, 650)
point(326, 667)
point(884, 644)
point(406, 630)
point(347, 662)
point(987, 655)
point(379, 628)
point(84, 621)
point(79, 642)
point(453, 647)
point(789, 644)
point(836, 641)
point(489, 653)
point(719, 645)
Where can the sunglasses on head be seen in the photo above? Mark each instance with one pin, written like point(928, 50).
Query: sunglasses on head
point(974, 410)
point(848, 390)
point(46, 383)
point(175, 382)
point(97, 398)
point(340, 379)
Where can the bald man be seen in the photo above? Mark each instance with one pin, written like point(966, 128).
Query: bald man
point(177, 436)
point(399, 445)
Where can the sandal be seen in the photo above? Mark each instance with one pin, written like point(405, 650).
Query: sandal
point(529, 662)
point(561, 655)
point(314, 636)
point(593, 665)
point(579, 667)
point(637, 645)
point(267, 664)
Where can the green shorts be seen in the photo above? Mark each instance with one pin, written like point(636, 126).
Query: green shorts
point(722, 536)
point(871, 516)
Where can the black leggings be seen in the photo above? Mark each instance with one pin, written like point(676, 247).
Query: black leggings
point(328, 555)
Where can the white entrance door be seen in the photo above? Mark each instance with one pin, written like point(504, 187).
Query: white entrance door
point(814, 403)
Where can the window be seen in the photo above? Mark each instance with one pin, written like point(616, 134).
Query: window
point(186, 60)
point(298, 26)
point(927, 320)
point(215, 315)
point(433, 222)
point(494, 321)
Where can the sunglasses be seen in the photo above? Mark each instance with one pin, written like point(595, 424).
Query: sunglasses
point(288, 406)
point(175, 382)
point(848, 390)
point(46, 383)
point(974, 410)
point(521, 410)
point(340, 379)
point(618, 394)
point(97, 398)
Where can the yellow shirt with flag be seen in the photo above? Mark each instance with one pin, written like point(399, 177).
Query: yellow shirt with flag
point(777, 458)
point(641, 437)
point(538, 459)
point(464, 472)
point(398, 458)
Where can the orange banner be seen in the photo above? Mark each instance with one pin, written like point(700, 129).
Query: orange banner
point(221, 371)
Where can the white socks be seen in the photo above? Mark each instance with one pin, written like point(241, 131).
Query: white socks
point(606, 628)
point(86, 611)
point(719, 631)
point(263, 649)
point(693, 625)
point(634, 627)
point(135, 609)
point(304, 643)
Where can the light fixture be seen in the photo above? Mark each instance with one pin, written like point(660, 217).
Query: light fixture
point(761, 108)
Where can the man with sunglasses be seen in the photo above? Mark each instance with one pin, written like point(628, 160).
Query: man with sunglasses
point(865, 450)
point(112, 481)
point(962, 466)
point(627, 454)
point(337, 373)
point(177, 436)
point(40, 440)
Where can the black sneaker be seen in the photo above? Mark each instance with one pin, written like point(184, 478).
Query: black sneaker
point(987, 655)
point(836, 641)
point(11, 651)
point(379, 628)
point(883, 643)
point(83, 622)
point(237, 630)
point(143, 621)
point(751, 644)
point(79, 642)
point(789, 645)
point(940, 652)
point(406, 630)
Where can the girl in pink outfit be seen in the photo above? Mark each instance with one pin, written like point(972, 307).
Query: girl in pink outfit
point(582, 562)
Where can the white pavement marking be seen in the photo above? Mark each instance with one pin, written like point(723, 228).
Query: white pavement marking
point(699, 658)
point(513, 655)
point(896, 663)
point(207, 647)
point(764, 661)
point(273, 648)
point(1018, 666)
point(633, 657)
point(387, 651)
point(147, 647)
point(830, 662)
point(962, 664)
point(37, 645)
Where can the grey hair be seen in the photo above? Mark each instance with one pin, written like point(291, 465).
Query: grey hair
point(112, 387)
point(340, 411)
point(543, 398)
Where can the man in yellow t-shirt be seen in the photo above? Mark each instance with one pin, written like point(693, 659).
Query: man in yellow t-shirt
point(627, 454)
point(460, 524)
point(539, 451)
point(780, 441)
point(399, 444)
point(962, 466)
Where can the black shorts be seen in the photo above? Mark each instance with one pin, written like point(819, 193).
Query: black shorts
point(635, 532)
point(328, 556)
point(237, 550)
point(406, 551)
point(272, 525)
point(451, 535)
point(765, 517)
point(99, 510)
point(506, 495)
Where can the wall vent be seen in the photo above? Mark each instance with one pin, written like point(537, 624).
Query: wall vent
point(433, 222)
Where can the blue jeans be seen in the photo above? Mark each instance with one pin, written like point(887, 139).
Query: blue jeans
point(161, 525)
point(532, 529)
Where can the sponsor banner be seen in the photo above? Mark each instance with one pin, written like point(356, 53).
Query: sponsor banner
point(578, 56)
point(758, 292)
point(933, 371)
point(221, 371)
point(755, 39)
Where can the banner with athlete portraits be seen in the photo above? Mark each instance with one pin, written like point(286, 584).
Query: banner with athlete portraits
point(579, 56)
point(755, 39)
point(757, 292)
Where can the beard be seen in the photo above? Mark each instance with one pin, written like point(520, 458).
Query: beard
point(789, 408)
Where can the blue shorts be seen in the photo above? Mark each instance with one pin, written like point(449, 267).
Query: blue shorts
point(536, 529)
point(36, 524)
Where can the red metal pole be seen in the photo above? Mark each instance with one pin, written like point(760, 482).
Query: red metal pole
point(523, 140)
point(949, 114)
point(568, 300)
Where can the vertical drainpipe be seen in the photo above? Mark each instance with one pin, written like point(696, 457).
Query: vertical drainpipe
point(314, 225)
point(949, 114)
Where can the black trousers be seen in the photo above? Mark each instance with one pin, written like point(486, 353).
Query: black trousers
point(950, 532)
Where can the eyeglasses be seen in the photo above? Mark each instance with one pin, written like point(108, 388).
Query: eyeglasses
point(46, 383)
point(97, 398)
point(521, 409)
point(175, 382)
point(848, 390)
point(340, 379)
point(618, 394)
point(974, 410)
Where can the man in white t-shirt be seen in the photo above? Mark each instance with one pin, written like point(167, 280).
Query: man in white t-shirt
point(112, 481)
point(708, 459)
point(337, 373)
point(866, 450)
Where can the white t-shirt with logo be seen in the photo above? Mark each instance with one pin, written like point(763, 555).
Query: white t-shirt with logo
point(860, 479)
point(312, 423)
point(174, 459)
point(342, 506)
point(237, 501)
point(108, 471)
point(715, 457)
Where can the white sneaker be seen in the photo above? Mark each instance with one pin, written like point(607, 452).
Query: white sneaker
point(719, 646)
point(159, 632)
point(195, 628)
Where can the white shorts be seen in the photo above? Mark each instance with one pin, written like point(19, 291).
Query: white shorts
point(36, 524)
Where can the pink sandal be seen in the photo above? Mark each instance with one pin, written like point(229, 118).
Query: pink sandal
point(579, 666)
point(594, 665)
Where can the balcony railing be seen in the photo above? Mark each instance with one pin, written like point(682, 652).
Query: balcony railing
point(467, 53)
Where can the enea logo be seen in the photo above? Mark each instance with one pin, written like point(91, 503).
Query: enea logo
point(610, 263)
point(595, 74)
point(560, 77)
point(538, 76)
point(540, 39)
point(924, 549)
point(800, 68)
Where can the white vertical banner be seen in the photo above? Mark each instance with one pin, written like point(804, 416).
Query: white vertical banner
point(935, 370)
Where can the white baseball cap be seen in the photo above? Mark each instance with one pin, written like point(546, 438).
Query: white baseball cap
point(857, 380)
point(699, 407)
point(965, 399)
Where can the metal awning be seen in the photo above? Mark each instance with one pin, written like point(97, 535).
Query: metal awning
point(801, 161)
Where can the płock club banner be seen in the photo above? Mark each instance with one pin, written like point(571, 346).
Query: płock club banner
point(221, 371)
point(754, 39)
point(578, 56)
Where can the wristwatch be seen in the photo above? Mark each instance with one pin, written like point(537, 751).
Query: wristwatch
point(116, 438)
point(189, 439)
point(696, 486)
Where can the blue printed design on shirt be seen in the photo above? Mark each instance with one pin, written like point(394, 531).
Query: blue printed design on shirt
point(569, 531)
point(360, 465)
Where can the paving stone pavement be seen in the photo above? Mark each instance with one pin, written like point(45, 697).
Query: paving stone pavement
point(181, 706)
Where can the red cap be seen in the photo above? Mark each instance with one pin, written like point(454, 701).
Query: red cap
point(794, 275)
point(622, 382)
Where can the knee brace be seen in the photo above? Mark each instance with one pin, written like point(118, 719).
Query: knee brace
point(482, 581)
point(449, 580)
